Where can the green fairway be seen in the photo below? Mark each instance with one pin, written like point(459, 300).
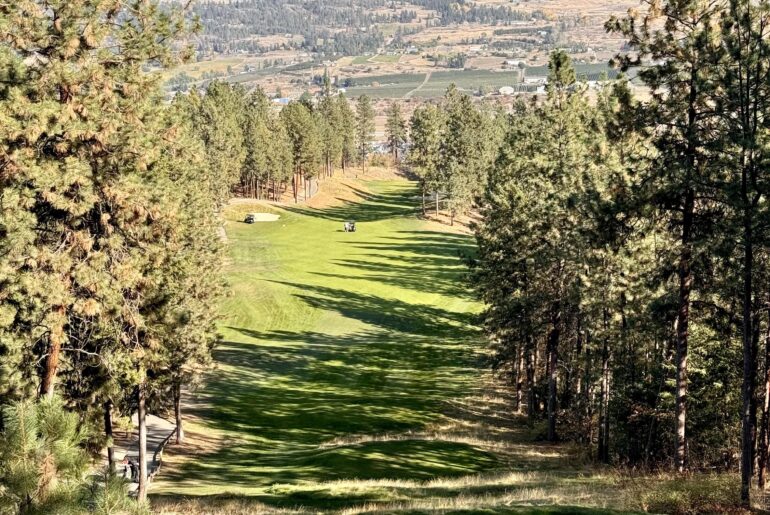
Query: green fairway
point(330, 334)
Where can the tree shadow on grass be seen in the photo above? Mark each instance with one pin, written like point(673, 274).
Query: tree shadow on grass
point(282, 394)
point(423, 262)
point(376, 207)
point(372, 381)
point(387, 313)
point(279, 395)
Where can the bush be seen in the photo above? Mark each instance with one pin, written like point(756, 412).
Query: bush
point(380, 160)
point(713, 493)
point(42, 462)
point(43, 465)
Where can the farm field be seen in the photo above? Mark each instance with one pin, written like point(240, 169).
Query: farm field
point(397, 85)
point(350, 379)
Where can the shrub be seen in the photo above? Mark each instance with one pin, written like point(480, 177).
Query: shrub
point(713, 493)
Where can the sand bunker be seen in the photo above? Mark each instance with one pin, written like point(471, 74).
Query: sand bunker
point(265, 217)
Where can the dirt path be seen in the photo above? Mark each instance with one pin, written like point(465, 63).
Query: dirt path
point(418, 88)
point(158, 432)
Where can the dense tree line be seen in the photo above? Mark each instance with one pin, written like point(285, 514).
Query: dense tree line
point(453, 145)
point(110, 207)
point(231, 26)
point(107, 216)
point(623, 246)
point(265, 149)
point(468, 11)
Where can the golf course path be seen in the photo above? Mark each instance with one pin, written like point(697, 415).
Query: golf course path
point(159, 430)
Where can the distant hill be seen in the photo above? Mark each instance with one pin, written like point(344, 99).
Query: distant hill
point(333, 27)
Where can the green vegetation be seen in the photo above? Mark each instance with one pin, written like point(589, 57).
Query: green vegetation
point(395, 130)
point(380, 58)
point(43, 465)
point(364, 128)
point(619, 270)
point(348, 379)
point(624, 241)
point(107, 215)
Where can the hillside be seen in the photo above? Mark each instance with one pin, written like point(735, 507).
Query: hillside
point(385, 49)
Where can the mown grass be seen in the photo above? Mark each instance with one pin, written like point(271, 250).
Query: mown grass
point(328, 334)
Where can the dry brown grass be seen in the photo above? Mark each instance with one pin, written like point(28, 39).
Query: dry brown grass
point(336, 191)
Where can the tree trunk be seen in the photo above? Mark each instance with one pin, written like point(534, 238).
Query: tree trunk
point(553, 358)
point(52, 361)
point(682, 332)
point(604, 417)
point(437, 210)
point(108, 435)
point(423, 200)
point(530, 358)
point(178, 413)
point(749, 359)
point(754, 397)
point(764, 437)
point(578, 351)
point(519, 378)
point(294, 186)
point(585, 393)
point(141, 494)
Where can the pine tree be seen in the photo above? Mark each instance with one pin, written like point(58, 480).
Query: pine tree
point(221, 124)
point(280, 157)
point(395, 129)
point(681, 37)
point(531, 244)
point(257, 143)
point(305, 140)
point(364, 128)
point(80, 159)
point(426, 136)
point(347, 131)
point(330, 122)
point(744, 102)
point(42, 463)
point(184, 301)
point(84, 132)
point(468, 149)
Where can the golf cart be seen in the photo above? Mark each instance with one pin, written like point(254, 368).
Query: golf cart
point(250, 218)
point(350, 226)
